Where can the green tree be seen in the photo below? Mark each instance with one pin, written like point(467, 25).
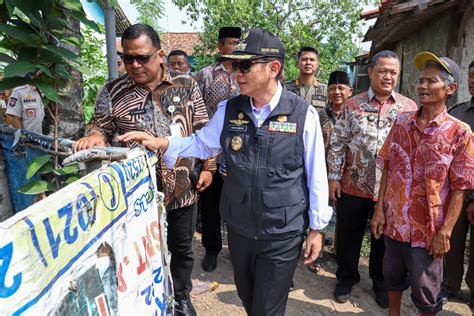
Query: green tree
point(92, 57)
point(331, 26)
point(149, 11)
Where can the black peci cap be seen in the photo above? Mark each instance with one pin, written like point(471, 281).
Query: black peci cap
point(339, 77)
point(229, 32)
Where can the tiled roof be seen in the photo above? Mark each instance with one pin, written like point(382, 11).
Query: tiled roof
point(184, 41)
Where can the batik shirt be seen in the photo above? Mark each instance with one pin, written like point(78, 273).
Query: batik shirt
point(423, 167)
point(123, 106)
point(216, 85)
point(316, 95)
point(357, 138)
point(327, 118)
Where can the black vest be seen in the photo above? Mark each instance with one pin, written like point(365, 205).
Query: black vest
point(265, 194)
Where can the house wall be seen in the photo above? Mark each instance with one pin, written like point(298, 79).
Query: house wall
point(434, 37)
point(467, 58)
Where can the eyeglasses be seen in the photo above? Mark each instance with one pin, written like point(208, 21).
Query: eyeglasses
point(245, 65)
point(141, 59)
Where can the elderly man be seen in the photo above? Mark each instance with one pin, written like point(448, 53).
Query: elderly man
point(339, 90)
point(306, 85)
point(353, 182)
point(454, 259)
point(217, 84)
point(158, 102)
point(178, 60)
point(275, 185)
point(428, 163)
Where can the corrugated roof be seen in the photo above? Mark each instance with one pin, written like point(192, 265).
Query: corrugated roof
point(121, 20)
point(180, 40)
point(397, 19)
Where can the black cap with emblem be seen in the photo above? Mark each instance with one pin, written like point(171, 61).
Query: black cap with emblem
point(257, 43)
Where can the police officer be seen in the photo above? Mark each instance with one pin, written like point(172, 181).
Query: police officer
point(25, 109)
point(306, 85)
point(275, 185)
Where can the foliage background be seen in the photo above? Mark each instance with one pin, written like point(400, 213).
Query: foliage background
point(332, 26)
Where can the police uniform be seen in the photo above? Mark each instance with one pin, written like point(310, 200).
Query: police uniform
point(315, 96)
point(25, 102)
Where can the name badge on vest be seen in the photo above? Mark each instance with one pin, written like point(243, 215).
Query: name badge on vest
point(238, 125)
point(319, 97)
point(282, 127)
point(137, 111)
point(237, 128)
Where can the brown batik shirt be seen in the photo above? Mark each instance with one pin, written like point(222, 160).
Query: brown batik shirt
point(123, 106)
point(327, 119)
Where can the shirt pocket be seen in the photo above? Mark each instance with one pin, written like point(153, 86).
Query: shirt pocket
point(284, 210)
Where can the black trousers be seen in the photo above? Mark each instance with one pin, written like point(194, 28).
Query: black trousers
point(211, 218)
point(353, 214)
point(263, 270)
point(181, 227)
point(454, 259)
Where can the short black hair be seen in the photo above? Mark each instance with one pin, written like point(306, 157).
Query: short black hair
point(383, 54)
point(471, 65)
point(136, 30)
point(307, 49)
point(178, 52)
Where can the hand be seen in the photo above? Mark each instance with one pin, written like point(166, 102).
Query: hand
point(147, 140)
point(94, 140)
point(378, 221)
point(314, 244)
point(205, 180)
point(440, 244)
point(334, 190)
point(470, 212)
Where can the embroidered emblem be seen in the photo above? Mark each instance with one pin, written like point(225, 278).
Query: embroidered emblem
point(282, 127)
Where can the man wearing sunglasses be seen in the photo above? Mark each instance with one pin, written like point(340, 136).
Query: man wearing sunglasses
point(275, 184)
point(159, 102)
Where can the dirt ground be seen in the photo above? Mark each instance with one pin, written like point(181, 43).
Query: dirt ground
point(312, 294)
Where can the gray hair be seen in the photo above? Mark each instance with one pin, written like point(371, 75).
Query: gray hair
point(447, 77)
point(383, 54)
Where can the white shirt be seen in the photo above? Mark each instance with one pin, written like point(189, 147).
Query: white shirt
point(205, 143)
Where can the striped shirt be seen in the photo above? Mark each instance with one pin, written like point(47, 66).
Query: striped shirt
point(123, 106)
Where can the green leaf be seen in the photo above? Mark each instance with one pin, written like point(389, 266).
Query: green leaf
point(72, 179)
point(82, 17)
point(27, 39)
point(38, 186)
point(47, 168)
point(67, 170)
point(19, 69)
point(45, 69)
point(63, 52)
point(12, 82)
point(35, 165)
point(49, 92)
point(73, 5)
point(6, 58)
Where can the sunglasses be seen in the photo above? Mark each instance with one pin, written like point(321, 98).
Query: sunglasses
point(245, 65)
point(141, 59)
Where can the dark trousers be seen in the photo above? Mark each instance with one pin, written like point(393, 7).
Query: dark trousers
point(181, 227)
point(454, 259)
point(211, 218)
point(263, 270)
point(353, 214)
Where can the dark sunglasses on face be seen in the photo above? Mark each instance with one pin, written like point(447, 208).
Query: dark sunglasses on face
point(245, 65)
point(141, 59)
